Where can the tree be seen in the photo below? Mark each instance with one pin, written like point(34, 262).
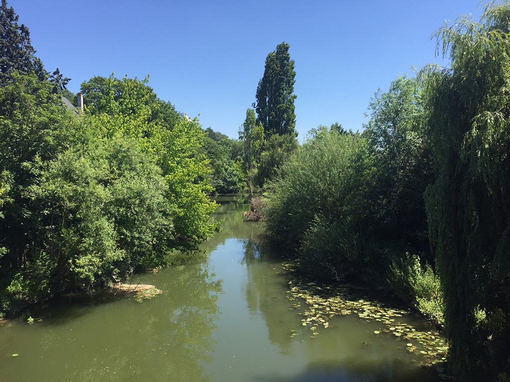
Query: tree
point(467, 206)
point(130, 97)
point(225, 157)
point(275, 93)
point(86, 200)
point(317, 208)
point(275, 112)
point(16, 51)
point(252, 137)
point(277, 148)
point(34, 127)
point(101, 213)
point(396, 136)
point(130, 108)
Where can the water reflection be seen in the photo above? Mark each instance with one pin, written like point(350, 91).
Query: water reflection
point(225, 320)
point(168, 338)
point(229, 214)
point(264, 294)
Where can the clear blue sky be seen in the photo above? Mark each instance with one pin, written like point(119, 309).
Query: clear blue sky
point(206, 57)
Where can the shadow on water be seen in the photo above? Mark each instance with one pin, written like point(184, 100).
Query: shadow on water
point(354, 371)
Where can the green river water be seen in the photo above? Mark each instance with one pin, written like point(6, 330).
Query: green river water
point(225, 319)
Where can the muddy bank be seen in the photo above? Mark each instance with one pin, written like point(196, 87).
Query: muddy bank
point(139, 291)
point(256, 212)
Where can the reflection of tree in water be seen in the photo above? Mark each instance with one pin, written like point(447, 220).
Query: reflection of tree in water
point(168, 338)
point(265, 292)
point(230, 216)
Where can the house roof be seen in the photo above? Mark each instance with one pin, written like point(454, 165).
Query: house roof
point(69, 105)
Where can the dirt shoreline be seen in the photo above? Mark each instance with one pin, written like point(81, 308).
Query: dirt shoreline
point(139, 291)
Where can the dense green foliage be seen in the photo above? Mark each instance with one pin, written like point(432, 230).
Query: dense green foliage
point(315, 205)
point(417, 203)
point(128, 97)
point(468, 205)
point(343, 200)
point(225, 156)
point(130, 108)
point(34, 128)
point(396, 139)
point(88, 198)
point(275, 151)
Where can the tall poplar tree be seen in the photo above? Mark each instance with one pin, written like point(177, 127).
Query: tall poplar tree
point(275, 93)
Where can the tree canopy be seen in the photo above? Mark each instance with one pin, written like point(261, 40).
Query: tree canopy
point(468, 209)
point(16, 50)
point(275, 93)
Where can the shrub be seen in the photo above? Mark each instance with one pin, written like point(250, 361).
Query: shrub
point(315, 206)
point(101, 213)
point(419, 285)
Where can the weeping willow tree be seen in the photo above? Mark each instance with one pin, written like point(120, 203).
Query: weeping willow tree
point(468, 205)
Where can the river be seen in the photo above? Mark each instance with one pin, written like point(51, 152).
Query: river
point(226, 318)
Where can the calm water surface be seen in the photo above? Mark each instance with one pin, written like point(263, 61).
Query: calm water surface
point(227, 319)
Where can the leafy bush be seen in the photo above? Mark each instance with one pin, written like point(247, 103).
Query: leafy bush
point(419, 285)
point(275, 151)
point(87, 200)
point(100, 213)
point(315, 206)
